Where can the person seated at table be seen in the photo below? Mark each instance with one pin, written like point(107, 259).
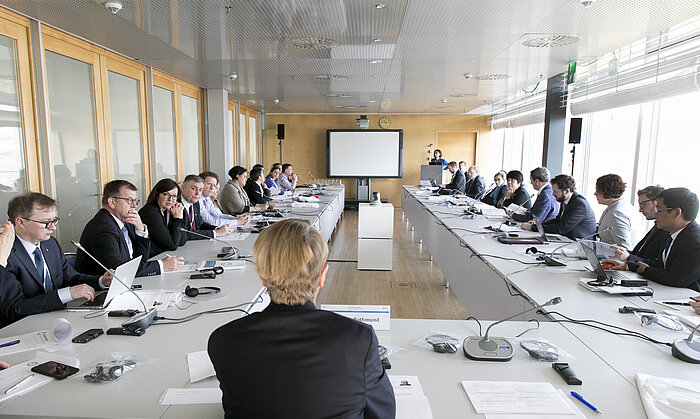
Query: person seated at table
point(234, 200)
point(437, 159)
point(192, 188)
point(293, 340)
point(287, 180)
point(116, 235)
point(266, 190)
point(546, 205)
point(476, 185)
point(457, 182)
point(615, 224)
point(271, 180)
point(498, 194)
point(254, 188)
point(163, 216)
point(465, 171)
point(516, 194)
point(208, 209)
point(676, 265)
point(655, 239)
point(575, 219)
point(35, 276)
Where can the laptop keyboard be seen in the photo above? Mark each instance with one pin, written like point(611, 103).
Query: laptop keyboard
point(98, 301)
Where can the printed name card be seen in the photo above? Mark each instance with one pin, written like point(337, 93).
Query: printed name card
point(376, 316)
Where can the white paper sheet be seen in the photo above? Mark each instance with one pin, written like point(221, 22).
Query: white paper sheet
point(669, 398)
point(601, 249)
point(200, 366)
point(50, 339)
point(191, 396)
point(158, 299)
point(411, 403)
point(568, 400)
point(11, 376)
point(518, 209)
point(516, 397)
point(235, 236)
point(405, 385)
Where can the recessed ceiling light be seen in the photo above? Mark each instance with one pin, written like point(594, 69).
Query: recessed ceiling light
point(376, 40)
point(379, 6)
point(375, 61)
point(468, 76)
point(493, 76)
point(313, 43)
point(345, 96)
point(463, 95)
point(233, 76)
point(330, 76)
point(549, 40)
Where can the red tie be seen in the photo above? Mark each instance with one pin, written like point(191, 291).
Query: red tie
point(192, 217)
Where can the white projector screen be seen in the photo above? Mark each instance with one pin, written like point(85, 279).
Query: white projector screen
point(364, 153)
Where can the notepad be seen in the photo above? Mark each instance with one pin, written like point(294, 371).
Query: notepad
point(200, 366)
point(410, 401)
point(191, 396)
point(516, 397)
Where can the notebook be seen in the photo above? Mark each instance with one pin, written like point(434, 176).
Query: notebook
point(126, 272)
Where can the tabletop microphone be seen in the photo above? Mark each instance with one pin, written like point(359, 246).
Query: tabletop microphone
point(496, 348)
point(312, 176)
point(228, 252)
point(140, 320)
point(508, 218)
point(687, 349)
point(472, 206)
point(549, 257)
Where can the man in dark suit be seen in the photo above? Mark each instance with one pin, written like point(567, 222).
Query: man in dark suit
point(35, 276)
point(655, 239)
point(476, 185)
point(576, 218)
point(308, 363)
point(546, 206)
point(457, 183)
point(116, 234)
point(192, 188)
point(678, 262)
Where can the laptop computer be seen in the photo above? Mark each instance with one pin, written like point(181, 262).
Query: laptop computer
point(546, 238)
point(601, 274)
point(542, 239)
point(126, 272)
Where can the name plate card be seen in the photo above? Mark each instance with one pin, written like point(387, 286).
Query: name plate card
point(376, 316)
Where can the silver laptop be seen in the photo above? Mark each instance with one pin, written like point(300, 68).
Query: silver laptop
point(126, 272)
point(546, 238)
point(592, 257)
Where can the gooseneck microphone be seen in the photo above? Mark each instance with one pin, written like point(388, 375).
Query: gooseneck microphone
point(312, 176)
point(549, 257)
point(687, 349)
point(228, 252)
point(140, 320)
point(496, 348)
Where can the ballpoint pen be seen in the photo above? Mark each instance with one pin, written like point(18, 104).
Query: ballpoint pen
point(6, 344)
point(19, 383)
point(675, 303)
point(582, 400)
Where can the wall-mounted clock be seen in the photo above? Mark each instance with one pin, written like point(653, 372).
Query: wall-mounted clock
point(385, 122)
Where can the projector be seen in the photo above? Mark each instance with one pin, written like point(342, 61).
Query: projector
point(362, 122)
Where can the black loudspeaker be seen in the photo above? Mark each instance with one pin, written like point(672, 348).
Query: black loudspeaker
point(280, 131)
point(575, 130)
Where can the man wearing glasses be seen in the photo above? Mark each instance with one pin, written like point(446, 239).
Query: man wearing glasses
point(34, 274)
point(655, 239)
point(676, 264)
point(116, 234)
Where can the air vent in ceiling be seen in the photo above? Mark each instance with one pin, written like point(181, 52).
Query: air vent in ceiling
point(463, 95)
point(330, 77)
point(548, 41)
point(313, 43)
point(493, 76)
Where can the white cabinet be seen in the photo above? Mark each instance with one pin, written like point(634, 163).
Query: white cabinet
point(375, 233)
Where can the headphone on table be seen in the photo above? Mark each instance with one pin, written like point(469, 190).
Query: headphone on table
point(194, 291)
point(532, 250)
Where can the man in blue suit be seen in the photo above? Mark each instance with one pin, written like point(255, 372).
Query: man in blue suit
point(546, 206)
point(35, 276)
point(575, 219)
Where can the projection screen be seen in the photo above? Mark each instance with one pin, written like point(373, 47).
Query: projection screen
point(364, 153)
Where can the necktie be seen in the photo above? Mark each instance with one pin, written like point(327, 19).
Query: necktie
point(39, 261)
point(664, 255)
point(192, 217)
point(125, 232)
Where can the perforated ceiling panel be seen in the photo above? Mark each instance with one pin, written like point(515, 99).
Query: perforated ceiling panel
point(350, 56)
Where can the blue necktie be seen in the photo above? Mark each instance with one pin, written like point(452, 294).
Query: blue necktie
point(39, 261)
point(128, 240)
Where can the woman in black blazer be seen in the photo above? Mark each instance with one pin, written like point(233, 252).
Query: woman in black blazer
point(163, 214)
point(255, 190)
point(516, 193)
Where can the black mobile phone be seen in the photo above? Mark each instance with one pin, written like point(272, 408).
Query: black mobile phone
point(207, 275)
point(55, 369)
point(88, 335)
point(123, 331)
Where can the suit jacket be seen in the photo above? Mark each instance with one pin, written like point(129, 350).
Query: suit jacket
point(307, 363)
point(22, 287)
point(256, 193)
point(105, 241)
point(617, 216)
point(458, 181)
point(475, 186)
point(545, 208)
point(200, 226)
point(164, 235)
point(520, 197)
point(499, 192)
point(650, 246)
point(574, 221)
point(682, 268)
point(234, 200)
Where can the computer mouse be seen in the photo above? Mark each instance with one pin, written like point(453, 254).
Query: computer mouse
point(607, 266)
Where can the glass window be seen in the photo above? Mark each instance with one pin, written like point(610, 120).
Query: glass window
point(73, 142)
point(125, 122)
point(242, 141)
point(191, 138)
point(12, 167)
point(533, 143)
point(164, 121)
point(253, 140)
point(231, 137)
point(513, 149)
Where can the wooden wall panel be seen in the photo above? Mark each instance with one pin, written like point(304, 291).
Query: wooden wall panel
point(305, 144)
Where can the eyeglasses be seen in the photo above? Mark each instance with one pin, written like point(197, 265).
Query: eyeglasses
point(166, 195)
point(47, 224)
point(641, 204)
point(658, 210)
point(130, 201)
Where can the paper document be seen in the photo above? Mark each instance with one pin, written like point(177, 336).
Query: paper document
point(200, 366)
point(668, 398)
point(614, 290)
point(601, 249)
point(16, 373)
point(410, 401)
point(518, 209)
point(516, 397)
point(305, 205)
point(191, 396)
point(209, 264)
point(158, 299)
point(568, 400)
point(235, 236)
point(50, 339)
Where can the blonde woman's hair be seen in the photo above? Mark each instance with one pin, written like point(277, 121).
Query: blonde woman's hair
point(289, 256)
